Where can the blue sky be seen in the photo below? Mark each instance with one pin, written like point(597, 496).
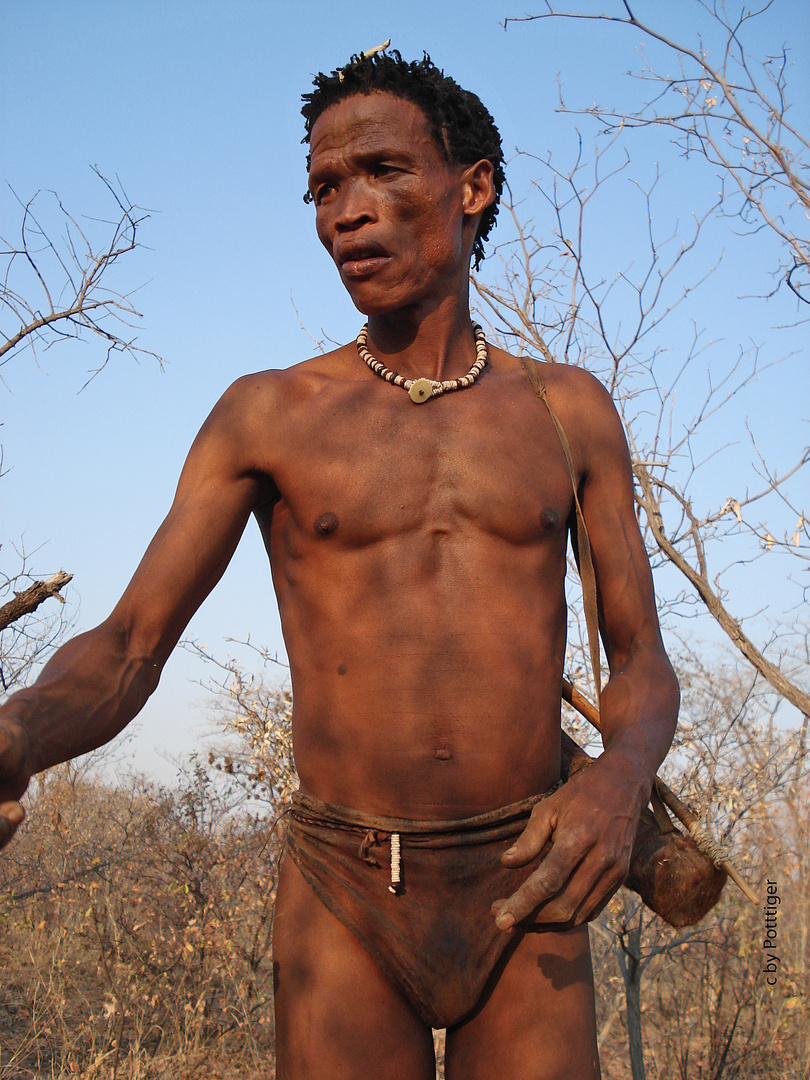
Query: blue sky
point(195, 108)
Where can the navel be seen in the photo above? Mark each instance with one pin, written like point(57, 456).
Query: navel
point(326, 524)
point(342, 669)
point(441, 753)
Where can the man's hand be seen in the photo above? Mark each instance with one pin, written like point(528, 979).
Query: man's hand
point(591, 824)
point(13, 779)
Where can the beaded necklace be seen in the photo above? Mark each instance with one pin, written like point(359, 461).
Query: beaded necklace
point(420, 390)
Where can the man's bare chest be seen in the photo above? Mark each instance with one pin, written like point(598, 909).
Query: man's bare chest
point(365, 467)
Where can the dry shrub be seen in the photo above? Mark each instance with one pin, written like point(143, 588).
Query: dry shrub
point(135, 936)
point(135, 921)
point(707, 1008)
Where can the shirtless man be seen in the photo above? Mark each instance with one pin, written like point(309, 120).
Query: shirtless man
point(418, 554)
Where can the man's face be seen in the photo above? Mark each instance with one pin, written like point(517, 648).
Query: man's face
point(389, 208)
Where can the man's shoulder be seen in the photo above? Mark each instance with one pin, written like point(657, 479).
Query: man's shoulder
point(573, 392)
point(252, 423)
point(585, 410)
point(284, 385)
point(565, 381)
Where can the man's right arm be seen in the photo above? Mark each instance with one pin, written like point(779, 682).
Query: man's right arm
point(96, 683)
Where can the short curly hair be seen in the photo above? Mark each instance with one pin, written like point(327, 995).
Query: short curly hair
point(462, 127)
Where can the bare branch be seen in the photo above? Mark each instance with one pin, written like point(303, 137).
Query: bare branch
point(26, 602)
point(69, 276)
point(732, 112)
point(699, 580)
point(562, 296)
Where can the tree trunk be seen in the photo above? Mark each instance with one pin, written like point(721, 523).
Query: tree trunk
point(631, 972)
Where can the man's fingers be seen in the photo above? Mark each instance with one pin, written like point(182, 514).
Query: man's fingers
point(532, 840)
point(550, 877)
point(566, 889)
point(11, 816)
point(577, 904)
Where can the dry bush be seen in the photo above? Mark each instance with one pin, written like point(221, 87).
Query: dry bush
point(136, 934)
point(136, 921)
point(707, 1010)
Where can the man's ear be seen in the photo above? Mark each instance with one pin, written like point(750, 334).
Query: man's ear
point(478, 190)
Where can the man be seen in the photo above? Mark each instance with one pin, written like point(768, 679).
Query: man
point(417, 537)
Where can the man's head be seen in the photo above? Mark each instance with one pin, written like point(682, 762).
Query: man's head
point(462, 127)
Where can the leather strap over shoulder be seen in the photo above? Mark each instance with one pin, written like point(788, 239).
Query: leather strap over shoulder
point(587, 573)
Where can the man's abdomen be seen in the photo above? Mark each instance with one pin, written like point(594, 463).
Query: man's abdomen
point(432, 693)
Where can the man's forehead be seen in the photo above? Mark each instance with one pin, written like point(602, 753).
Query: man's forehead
point(376, 118)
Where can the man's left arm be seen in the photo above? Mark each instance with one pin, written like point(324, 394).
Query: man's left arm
point(592, 819)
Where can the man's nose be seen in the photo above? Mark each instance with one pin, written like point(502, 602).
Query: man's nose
point(355, 206)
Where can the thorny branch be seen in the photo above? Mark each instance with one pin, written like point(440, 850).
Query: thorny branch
point(56, 287)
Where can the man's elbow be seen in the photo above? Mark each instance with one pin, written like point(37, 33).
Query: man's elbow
point(135, 650)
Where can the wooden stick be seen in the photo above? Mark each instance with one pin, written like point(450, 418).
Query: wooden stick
point(27, 601)
point(682, 812)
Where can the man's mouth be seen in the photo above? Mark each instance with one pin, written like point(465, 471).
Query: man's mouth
point(360, 259)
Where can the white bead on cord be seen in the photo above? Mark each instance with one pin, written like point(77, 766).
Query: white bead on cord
point(395, 863)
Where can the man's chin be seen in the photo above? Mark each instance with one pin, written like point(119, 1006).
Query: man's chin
point(374, 300)
point(373, 306)
point(372, 295)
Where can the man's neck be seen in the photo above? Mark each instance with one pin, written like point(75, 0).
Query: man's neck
point(433, 344)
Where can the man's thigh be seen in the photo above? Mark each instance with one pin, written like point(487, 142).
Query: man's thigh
point(337, 1015)
point(536, 1020)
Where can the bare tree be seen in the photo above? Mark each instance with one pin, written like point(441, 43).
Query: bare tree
point(56, 286)
point(730, 108)
point(560, 295)
point(554, 298)
point(136, 932)
point(255, 712)
point(696, 1002)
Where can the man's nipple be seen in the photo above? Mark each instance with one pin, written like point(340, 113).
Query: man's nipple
point(326, 524)
point(549, 519)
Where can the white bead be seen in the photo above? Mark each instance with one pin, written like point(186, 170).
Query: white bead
point(395, 863)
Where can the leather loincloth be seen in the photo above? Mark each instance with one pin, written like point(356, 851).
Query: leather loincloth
point(435, 938)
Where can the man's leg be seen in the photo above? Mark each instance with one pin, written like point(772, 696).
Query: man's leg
point(536, 1020)
point(337, 1015)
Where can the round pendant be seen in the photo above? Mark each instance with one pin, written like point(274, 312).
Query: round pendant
point(421, 390)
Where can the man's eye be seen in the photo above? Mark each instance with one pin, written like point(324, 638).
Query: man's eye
point(323, 191)
point(382, 169)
